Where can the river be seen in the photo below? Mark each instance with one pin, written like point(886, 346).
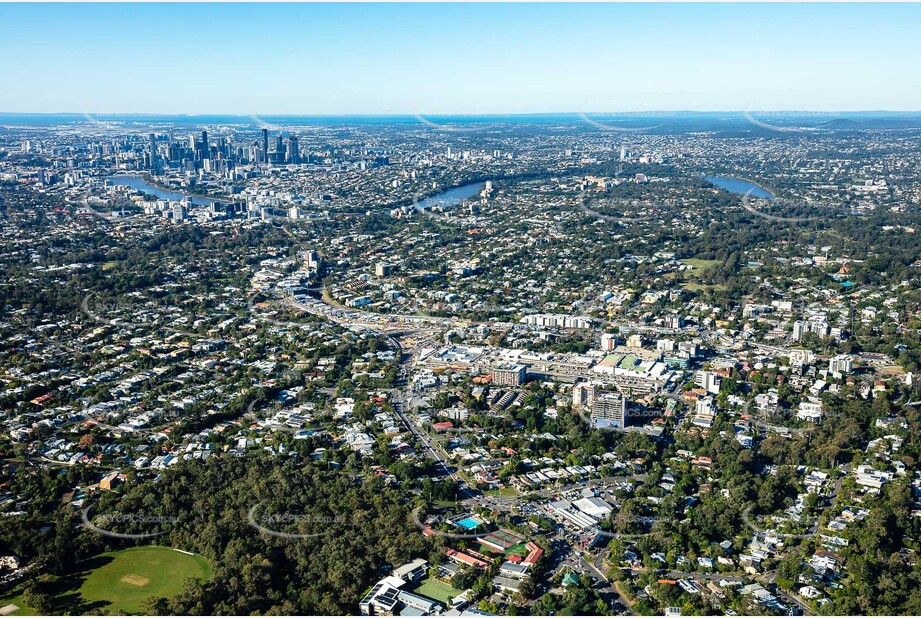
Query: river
point(136, 182)
point(740, 187)
point(452, 197)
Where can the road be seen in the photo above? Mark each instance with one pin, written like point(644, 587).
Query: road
point(400, 399)
point(607, 590)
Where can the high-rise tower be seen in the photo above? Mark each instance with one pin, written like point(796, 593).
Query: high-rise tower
point(293, 154)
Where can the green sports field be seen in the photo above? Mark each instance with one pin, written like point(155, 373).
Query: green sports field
point(435, 589)
point(120, 582)
point(125, 579)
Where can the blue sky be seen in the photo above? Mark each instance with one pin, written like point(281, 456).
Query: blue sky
point(441, 59)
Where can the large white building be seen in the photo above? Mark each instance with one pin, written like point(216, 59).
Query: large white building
point(584, 395)
point(803, 357)
point(509, 375)
point(841, 364)
point(708, 381)
point(563, 509)
point(549, 320)
point(595, 507)
point(801, 328)
point(810, 410)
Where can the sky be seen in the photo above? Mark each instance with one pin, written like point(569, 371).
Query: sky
point(431, 59)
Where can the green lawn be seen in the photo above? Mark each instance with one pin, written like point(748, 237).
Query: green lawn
point(120, 582)
point(489, 551)
point(689, 278)
point(697, 287)
point(699, 264)
point(436, 589)
point(505, 492)
point(119, 578)
point(15, 598)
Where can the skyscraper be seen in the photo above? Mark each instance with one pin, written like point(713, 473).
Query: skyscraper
point(265, 144)
point(205, 147)
point(293, 154)
point(153, 150)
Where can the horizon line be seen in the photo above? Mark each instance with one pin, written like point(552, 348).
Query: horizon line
point(478, 115)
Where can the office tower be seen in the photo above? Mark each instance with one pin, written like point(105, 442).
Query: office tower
point(265, 144)
point(205, 147)
point(293, 154)
point(153, 150)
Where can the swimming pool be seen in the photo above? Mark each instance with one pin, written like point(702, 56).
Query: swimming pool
point(468, 523)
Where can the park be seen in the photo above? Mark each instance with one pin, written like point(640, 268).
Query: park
point(118, 582)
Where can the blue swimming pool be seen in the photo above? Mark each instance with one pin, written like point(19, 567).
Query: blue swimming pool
point(469, 523)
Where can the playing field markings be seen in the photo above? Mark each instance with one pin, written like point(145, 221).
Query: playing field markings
point(135, 580)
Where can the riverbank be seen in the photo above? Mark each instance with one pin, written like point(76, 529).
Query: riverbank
point(203, 196)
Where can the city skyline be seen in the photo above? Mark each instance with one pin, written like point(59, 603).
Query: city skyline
point(355, 60)
point(460, 310)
